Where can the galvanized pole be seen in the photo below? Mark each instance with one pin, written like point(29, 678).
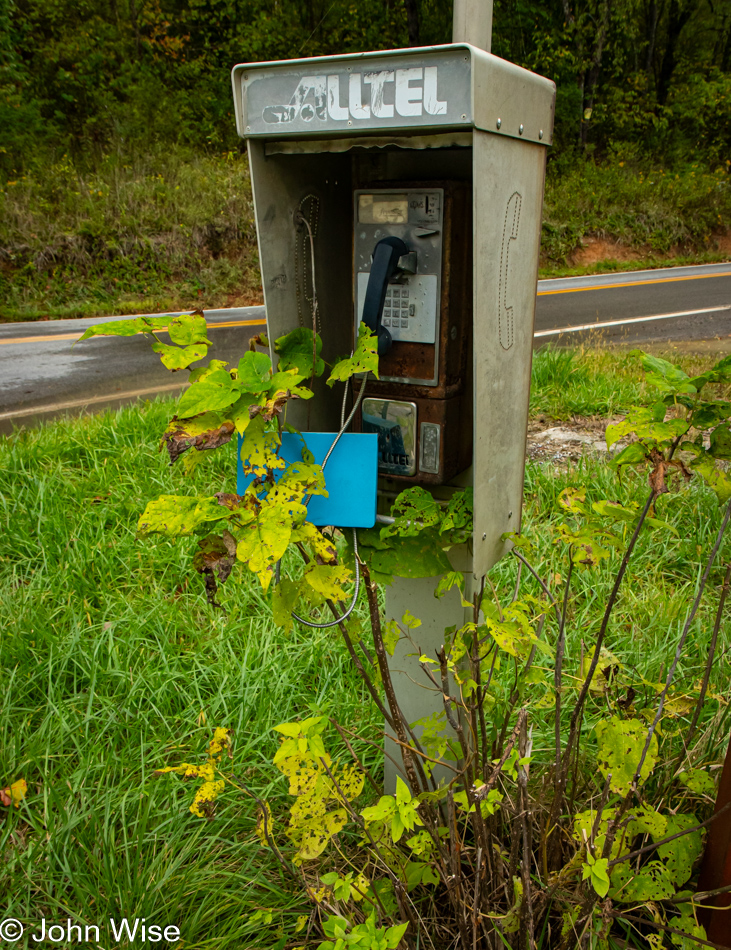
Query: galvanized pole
point(472, 23)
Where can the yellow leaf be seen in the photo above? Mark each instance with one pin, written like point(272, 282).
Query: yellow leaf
point(327, 580)
point(13, 794)
point(264, 823)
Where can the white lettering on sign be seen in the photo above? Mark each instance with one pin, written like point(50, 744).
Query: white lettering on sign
point(408, 97)
point(405, 92)
point(379, 107)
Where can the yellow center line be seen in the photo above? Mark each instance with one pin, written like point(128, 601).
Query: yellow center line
point(632, 283)
point(541, 293)
point(77, 336)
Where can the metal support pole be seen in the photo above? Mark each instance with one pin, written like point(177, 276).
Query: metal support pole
point(472, 23)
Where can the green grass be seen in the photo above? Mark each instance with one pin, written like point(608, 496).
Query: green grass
point(165, 231)
point(173, 229)
point(592, 381)
point(112, 665)
point(669, 215)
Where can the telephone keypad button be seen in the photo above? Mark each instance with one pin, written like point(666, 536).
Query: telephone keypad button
point(404, 323)
point(386, 322)
point(412, 310)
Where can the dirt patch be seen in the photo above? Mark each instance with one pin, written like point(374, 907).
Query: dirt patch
point(563, 442)
point(595, 250)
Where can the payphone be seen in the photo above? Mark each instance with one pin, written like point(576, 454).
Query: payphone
point(420, 175)
point(411, 182)
point(419, 406)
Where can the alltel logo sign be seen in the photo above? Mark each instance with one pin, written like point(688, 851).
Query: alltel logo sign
point(351, 97)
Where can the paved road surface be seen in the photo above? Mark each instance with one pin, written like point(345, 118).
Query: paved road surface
point(41, 375)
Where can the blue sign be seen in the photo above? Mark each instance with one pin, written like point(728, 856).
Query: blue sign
point(351, 476)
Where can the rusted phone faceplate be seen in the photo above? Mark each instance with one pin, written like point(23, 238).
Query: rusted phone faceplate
point(433, 377)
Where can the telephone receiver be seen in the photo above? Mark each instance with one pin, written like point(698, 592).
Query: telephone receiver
point(386, 256)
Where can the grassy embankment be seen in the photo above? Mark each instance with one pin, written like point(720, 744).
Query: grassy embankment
point(112, 666)
point(174, 231)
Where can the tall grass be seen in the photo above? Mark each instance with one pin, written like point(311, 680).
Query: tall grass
point(660, 211)
point(173, 229)
point(112, 666)
point(169, 230)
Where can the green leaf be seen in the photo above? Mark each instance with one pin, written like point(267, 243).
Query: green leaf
point(391, 634)
point(652, 883)
point(572, 499)
point(254, 372)
point(421, 556)
point(189, 328)
point(285, 381)
point(698, 781)
point(680, 855)
point(113, 328)
point(586, 551)
point(265, 541)
point(665, 376)
point(259, 448)
point(203, 372)
point(176, 515)
point(633, 454)
point(714, 477)
point(708, 414)
point(643, 423)
point(296, 350)
point(458, 515)
point(446, 583)
point(363, 360)
point(175, 358)
point(686, 921)
point(328, 580)
point(217, 391)
point(612, 509)
point(414, 510)
point(620, 745)
point(597, 870)
point(645, 820)
point(721, 442)
point(291, 729)
point(394, 934)
point(284, 600)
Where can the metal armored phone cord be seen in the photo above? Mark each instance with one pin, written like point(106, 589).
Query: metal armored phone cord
point(301, 219)
point(344, 423)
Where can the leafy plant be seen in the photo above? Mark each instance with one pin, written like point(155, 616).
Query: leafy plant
point(522, 839)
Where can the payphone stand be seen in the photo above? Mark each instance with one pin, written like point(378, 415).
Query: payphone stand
point(442, 148)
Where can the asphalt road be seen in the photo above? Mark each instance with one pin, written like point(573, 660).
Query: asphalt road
point(42, 375)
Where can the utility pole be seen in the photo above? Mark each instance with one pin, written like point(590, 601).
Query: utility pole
point(472, 23)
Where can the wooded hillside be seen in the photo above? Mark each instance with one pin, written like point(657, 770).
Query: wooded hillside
point(644, 77)
point(119, 175)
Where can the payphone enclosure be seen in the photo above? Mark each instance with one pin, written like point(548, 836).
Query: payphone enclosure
point(443, 147)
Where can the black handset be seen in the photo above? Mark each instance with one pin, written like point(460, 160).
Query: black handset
point(386, 256)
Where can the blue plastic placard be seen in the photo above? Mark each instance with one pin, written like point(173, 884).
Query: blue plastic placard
point(351, 476)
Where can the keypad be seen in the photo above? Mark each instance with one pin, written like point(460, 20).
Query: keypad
point(397, 309)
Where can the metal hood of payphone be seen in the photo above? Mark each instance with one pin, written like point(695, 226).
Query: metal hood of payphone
point(429, 88)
